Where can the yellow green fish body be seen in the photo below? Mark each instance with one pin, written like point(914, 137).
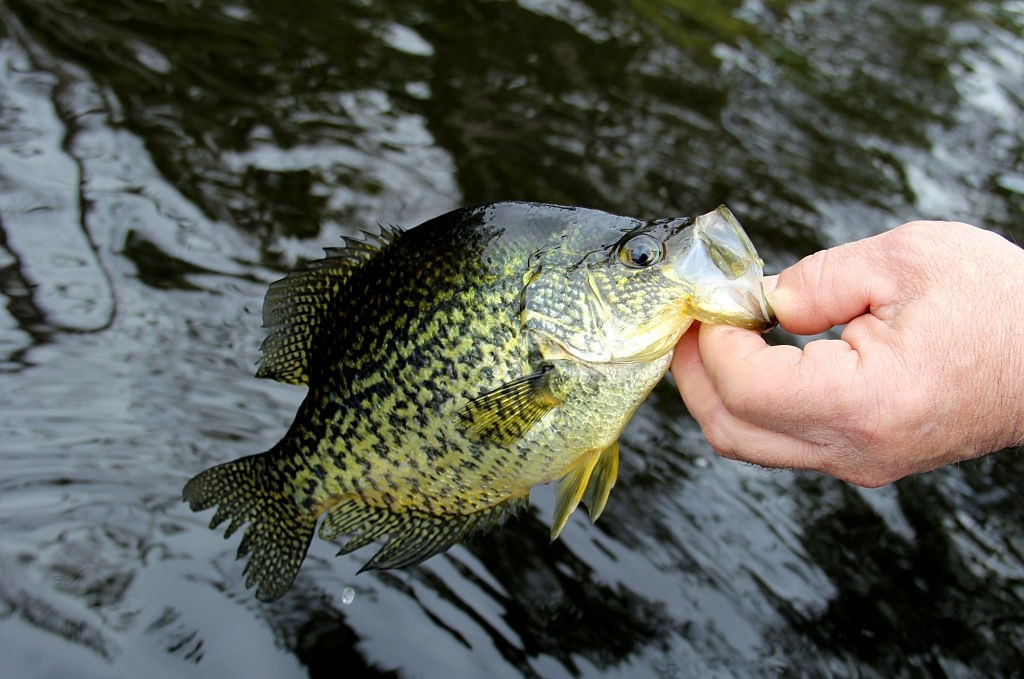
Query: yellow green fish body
point(454, 366)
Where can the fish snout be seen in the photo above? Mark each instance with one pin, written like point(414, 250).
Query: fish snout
point(725, 273)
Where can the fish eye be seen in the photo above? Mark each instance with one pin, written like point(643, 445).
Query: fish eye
point(642, 250)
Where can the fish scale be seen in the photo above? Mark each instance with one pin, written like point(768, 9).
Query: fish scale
point(454, 366)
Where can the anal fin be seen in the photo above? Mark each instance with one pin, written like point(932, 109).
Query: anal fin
point(412, 535)
point(589, 480)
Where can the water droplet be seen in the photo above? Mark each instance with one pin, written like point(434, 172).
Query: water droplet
point(348, 595)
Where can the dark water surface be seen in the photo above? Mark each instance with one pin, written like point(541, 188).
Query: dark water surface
point(161, 162)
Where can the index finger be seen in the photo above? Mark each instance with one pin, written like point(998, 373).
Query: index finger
point(729, 435)
point(781, 388)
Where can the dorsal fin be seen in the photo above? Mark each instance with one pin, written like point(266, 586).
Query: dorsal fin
point(412, 535)
point(295, 306)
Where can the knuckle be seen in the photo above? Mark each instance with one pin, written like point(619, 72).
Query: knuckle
point(914, 247)
point(736, 398)
point(854, 466)
point(715, 428)
point(870, 479)
point(906, 244)
point(815, 272)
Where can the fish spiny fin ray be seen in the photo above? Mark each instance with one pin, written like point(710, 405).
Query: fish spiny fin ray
point(412, 535)
point(297, 305)
point(570, 490)
point(602, 479)
point(279, 531)
point(506, 413)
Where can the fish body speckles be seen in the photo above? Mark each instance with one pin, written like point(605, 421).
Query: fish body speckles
point(453, 366)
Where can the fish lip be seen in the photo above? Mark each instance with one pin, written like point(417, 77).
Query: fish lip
point(761, 316)
point(761, 310)
point(721, 226)
point(726, 274)
point(770, 320)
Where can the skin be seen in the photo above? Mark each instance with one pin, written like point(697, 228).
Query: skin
point(929, 369)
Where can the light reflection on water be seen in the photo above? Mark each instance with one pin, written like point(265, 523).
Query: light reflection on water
point(158, 169)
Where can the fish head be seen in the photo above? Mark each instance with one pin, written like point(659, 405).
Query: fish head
point(631, 288)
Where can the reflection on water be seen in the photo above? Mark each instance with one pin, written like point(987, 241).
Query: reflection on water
point(161, 162)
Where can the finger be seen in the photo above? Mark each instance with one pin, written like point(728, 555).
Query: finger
point(687, 352)
point(781, 387)
point(699, 395)
point(687, 369)
point(729, 435)
point(735, 439)
point(832, 287)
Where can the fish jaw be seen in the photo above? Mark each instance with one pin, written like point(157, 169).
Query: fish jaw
point(724, 274)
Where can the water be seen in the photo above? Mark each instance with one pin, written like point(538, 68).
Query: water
point(160, 163)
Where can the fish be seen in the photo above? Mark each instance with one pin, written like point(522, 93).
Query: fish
point(453, 366)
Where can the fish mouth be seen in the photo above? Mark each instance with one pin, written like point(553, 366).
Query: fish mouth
point(725, 273)
point(742, 307)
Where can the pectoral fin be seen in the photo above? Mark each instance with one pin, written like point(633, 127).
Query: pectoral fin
point(602, 478)
point(506, 413)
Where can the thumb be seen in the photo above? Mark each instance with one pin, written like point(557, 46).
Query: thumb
point(832, 287)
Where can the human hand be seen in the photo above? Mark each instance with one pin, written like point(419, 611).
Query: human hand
point(929, 370)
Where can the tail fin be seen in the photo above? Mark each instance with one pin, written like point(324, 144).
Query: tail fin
point(247, 491)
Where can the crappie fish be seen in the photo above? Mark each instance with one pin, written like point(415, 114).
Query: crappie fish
point(454, 366)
